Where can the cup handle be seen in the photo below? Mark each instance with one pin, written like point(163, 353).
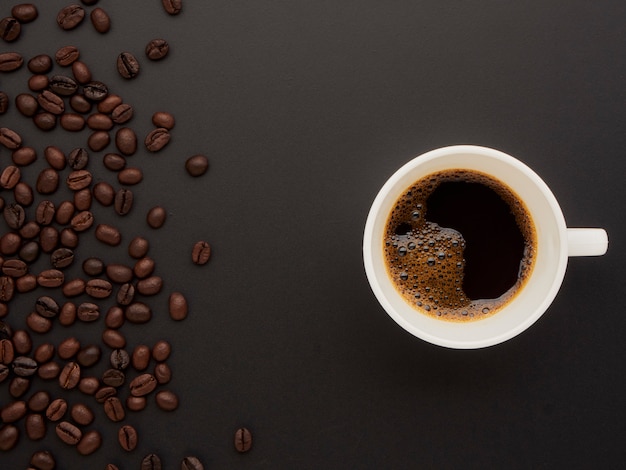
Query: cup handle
point(587, 241)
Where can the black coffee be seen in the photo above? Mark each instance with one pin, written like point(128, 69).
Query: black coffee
point(459, 245)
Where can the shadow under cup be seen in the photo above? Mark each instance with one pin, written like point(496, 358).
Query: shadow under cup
point(536, 293)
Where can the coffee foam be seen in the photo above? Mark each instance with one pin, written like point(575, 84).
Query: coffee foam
point(426, 261)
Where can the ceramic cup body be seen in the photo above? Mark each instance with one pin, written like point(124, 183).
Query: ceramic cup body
point(554, 244)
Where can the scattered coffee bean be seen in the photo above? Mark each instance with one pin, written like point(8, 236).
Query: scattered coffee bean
point(78, 158)
point(24, 366)
point(119, 359)
point(56, 410)
point(26, 104)
point(166, 400)
point(113, 378)
point(41, 63)
point(144, 267)
point(122, 113)
point(142, 385)
point(127, 65)
point(10, 61)
point(100, 20)
point(82, 414)
point(113, 339)
point(104, 393)
point(14, 214)
point(4, 102)
point(89, 443)
point(35, 427)
point(66, 55)
point(114, 162)
point(72, 122)
point(14, 411)
point(50, 278)
point(130, 176)
point(157, 49)
point(78, 179)
point(173, 7)
point(98, 140)
point(99, 121)
point(89, 385)
point(70, 16)
point(114, 410)
point(47, 181)
point(9, 435)
point(45, 121)
point(243, 440)
point(178, 308)
point(127, 437)
point(67, 315)
point(157, 139)
point(138, 312)
point(114, 317)
point(24, 12)
point(119, 273)
point(156, 217)
point(69, 376)
point(89, 355)
point(93, 267)
point(22, 342)
point(197, 165)
point(162, 373)
point(37, 323)
point(39, 401)
point(43, 353)
point(10, 29)
point(81, 72)
point(81, 221)
point(125, 294)
point(80, 104)
point(61, 258)
point(9, 138)
point(38, 82)
point(18, 386)
point(88, 312)
point(150, 286)
point(136, 403)
point(98, 288)
point(191, 463)
point(201, 253)
point(95, 91)
point(68, 433)
point(108, 234)
point(63, 85)
point(73, 288)
point(151, 462)
point(126, 141)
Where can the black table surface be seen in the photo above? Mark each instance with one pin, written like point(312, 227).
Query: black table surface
point(304, 110)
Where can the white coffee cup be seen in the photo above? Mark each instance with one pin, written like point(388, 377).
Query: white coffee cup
point(554, 244)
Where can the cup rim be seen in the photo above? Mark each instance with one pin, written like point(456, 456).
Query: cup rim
point(375, 213)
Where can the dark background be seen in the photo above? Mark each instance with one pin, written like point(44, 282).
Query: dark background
point(304, 110)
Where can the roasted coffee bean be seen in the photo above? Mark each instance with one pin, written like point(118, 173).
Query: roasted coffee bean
point(93, 267)
point(166, 400)
point(73, 288)
point(89, 355)
point(138, 312)
point(108, 234)
point(138, 247)
point(142, 385)
point(48, 239)
point(39, 401)
point(26, 283)
point(24, 366)
point(23, 194)
point(37, 323)
point(201, 253)
point(69, 376)
point(88, 312)
point(113, 339)
point(43, 353)
point(162, 373)
point(89, 385)
point(35, 427)
point(65, 212)
point(104, 193)
point(56, 410)
point(18, 386)
point(26, 104)
point(157, 139)
point(82, 414)
point(114, 162)
point(9, 177)
point(178, 307)
point(89, 443)
point(191, 463)
point(10, 29)
point(98, 140)
point(197, 165)
point(83, 199)
point(119, 273)
point(14, 214)
point(157, 49)
point(123, 201)
point(66, 55)
point(126, 141)
point(41, 63)
point(125, 294)
point(68, 433)
point(141, 357)
point(61, 258)
point(4, 102)
point(4, 372)
point(122, 113)
point(55, 157)
point(98, 288)
point(67, 315)
point(45, 121)
point(9, 138)
point(14, 268)
point(70, 16)
point(10, 61)
point(113, 378)
point(24, 12)
point(108, 104)
point(78, 179)
point(80, 104)
point(22, 342)
point(50, 278)
point(173, 7)
point(82, 221)
point(150, 286)
point(63, 85)
point(68, 236)
point(47, 307)
point(10, 243)
point(127, 437)
point(9, 436)
point(151, 462)
point(114, 410)
point(81, 72)
point(127, 65)
point(100, 20)
point(24, 156)
point(38, 82)
point(103, 393)
point(68, 348)
point(78, 158)
point(13, 412)
point(119, 359)
point(43, 460)
point(51, 102)
point(114, 317)
point(99, 122)
point(136, 403)
point(156, 217)
point(130, 176)
point(95, 91)
point(29, 230)
point(47, 181)
point(243, 440)
point(72, 122)
point(7, 352)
